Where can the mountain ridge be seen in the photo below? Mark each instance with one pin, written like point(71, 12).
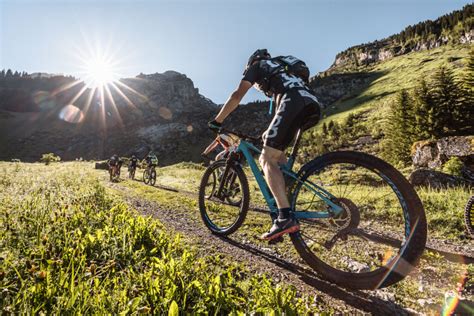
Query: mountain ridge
point(456, 27)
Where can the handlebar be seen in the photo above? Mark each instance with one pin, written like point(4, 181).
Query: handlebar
point(252, 139)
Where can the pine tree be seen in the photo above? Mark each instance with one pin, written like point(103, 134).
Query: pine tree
point(467, 86)
point(447, 97)
point(423, 112)
point(325, 129)
point(468, 78)
point(400, 124)
point(9, 73)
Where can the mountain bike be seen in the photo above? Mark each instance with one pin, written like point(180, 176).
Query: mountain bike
point(469, 216)
point(362, 225)
point(149, 175)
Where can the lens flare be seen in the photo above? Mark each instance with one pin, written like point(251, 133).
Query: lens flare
point(44, 100)
point(93, 95)
point(71, 114)
point(165, 113)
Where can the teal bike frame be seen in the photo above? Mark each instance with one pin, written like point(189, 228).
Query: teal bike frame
point(246, 148)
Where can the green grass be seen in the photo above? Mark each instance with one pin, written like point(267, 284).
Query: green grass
point(445, 211)
point(393, 75)
point(401, 72)
point(69, 246)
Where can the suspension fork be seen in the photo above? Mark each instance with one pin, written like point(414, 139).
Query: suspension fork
point(224, 175)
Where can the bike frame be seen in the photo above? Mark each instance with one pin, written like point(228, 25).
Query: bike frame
point(247, 148)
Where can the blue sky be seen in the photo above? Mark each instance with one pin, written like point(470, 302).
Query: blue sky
point(209, 41)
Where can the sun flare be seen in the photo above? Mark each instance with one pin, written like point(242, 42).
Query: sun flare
point(98, 87)
point(98, 72)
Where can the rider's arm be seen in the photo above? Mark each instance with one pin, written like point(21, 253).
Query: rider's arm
point(210, 147)
point(233, 102)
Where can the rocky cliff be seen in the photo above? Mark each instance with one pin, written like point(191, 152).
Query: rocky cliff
point(454, 28)
point(160, 112)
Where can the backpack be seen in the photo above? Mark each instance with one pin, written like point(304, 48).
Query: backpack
point(294, 66)
point(287, 64)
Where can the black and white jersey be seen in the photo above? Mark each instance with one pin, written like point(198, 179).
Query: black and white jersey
point(262, 75)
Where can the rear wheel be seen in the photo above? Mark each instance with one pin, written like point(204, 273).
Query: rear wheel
point(217, 213)
point(469, 216)
point(378, 237)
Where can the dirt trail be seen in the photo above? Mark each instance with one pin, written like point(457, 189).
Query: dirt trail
point(451, 252)
point(261, 260)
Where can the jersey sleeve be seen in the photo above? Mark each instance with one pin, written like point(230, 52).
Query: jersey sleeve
point(252, 75)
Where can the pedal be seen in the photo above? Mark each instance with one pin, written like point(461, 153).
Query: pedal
point(276, 240)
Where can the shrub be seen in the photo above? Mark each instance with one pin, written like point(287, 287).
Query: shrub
point(453, 166)
point(49, 158)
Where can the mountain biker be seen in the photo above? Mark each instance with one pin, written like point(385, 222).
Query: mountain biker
point(297, 107)
point(132, 165)
point(114, 161)
point(151, 160)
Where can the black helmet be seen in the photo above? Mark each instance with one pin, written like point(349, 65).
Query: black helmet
point(259, 54)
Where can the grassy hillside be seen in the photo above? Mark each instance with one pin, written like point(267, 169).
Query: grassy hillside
point(377, 85)
point(402, 72)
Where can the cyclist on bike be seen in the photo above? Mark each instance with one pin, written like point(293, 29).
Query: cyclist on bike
point(297, 107)
point(151, 160)
point(132, 165)
point(113, 162)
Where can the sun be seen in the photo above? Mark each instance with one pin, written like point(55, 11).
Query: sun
point(99, 71)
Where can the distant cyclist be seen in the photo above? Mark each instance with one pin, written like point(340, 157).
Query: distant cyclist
point(114, 164)
point(132, 166)
point(149, 175)
point(285, 79)
point(151, 160)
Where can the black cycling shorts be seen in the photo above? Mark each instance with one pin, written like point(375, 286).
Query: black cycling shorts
point(295, 109)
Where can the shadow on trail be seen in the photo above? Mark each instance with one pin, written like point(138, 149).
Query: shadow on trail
point(355, 298)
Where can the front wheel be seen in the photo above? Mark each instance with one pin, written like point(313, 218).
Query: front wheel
point(218, 214)
point(379, 235)
point(469, 216)
point(146, 176)
point(152, 177)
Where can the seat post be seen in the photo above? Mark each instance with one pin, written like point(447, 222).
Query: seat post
point(296, 145)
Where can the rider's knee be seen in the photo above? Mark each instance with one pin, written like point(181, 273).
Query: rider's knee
point(267, 158)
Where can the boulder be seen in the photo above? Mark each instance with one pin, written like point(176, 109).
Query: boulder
point(433, 154)
point(102, 165)
point(436, 179)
